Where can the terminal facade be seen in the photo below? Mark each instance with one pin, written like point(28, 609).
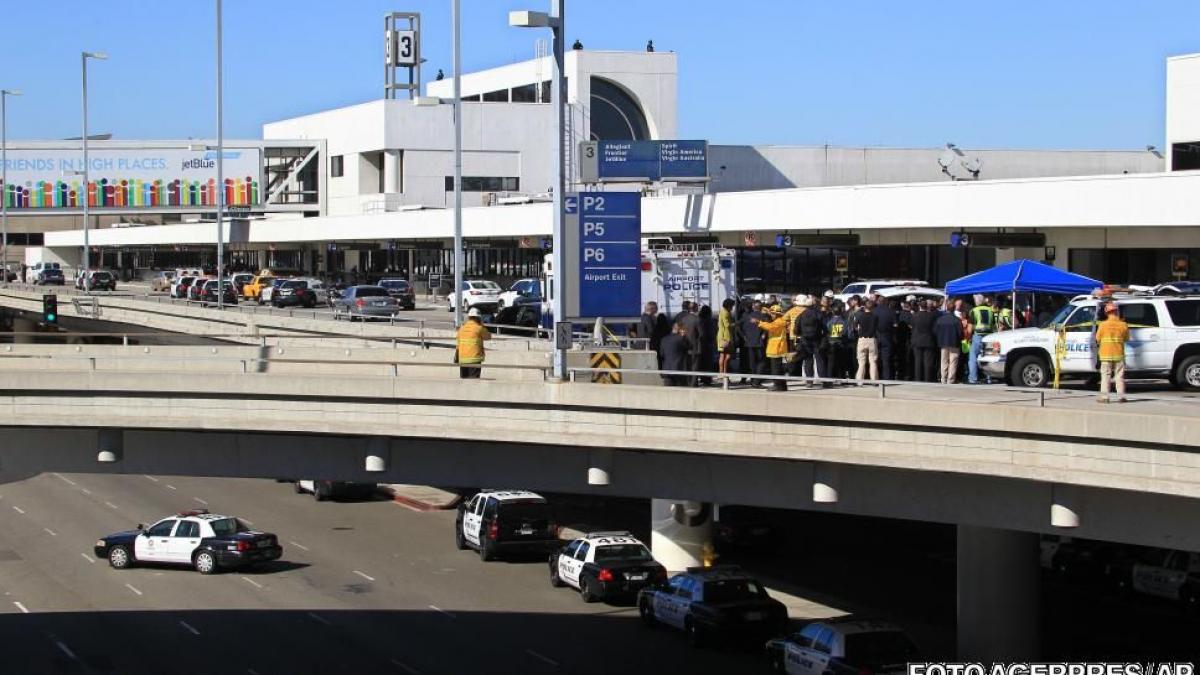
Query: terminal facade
point(365, 190)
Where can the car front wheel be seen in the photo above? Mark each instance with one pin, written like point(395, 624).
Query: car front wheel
point(205, 562)
point(119, 557)
point(1030, 371)
point(1187, 375)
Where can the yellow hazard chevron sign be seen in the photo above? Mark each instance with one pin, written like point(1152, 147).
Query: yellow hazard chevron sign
point(608, 361)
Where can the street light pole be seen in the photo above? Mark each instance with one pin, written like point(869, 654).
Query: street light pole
point(84, 196)
point(456, 19)
point(220, 173)
point(4, 94)
point(558, 99)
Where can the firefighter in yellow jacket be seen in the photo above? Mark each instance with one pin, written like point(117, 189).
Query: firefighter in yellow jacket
point(469, 351)
point(1111, 336)
point(777, 344)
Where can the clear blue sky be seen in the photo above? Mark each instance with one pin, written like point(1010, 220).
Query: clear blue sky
point(1063, 74)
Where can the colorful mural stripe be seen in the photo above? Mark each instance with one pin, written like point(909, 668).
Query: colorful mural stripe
point(129, 193)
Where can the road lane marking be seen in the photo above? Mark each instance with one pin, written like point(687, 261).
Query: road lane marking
point(319, 619)
point(300, 546)
point(151, 477)
point(88, 558)
point(130, 587)
point(21, 607)
point(439, 609)
point(408, 669)
point(66, 480)
point(365, 576)
point(200, 500)
point(253, 582)
point(172, 487)
point(540, 657)
point(110, 505)
point(19, 510)
point(66, 650)
point(50, 531)
point(85, 491)
point(189, 627)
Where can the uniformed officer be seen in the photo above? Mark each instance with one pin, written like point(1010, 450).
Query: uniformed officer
point(469, 351)
point(983, 323)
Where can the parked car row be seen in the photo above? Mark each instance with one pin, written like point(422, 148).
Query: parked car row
point(708, 604)
point(1156, 572)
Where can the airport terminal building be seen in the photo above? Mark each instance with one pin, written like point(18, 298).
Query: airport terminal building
point(367, 189)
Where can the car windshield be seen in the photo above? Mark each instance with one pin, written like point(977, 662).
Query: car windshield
point(1061, 316)
point(879, 647)
point(369, 291)
point(731, 590)
point(485, 285)
point(394, 283)
point(524, 510)
point(226, 526)
point(103, 276)
point(623, 553)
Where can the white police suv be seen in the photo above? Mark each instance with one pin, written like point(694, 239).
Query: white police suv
point(603, 565)
point(501, 521)
point(843, 647)
point(198, 539)
point(1164, 341)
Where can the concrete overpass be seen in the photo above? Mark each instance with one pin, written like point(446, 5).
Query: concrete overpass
point(1001, 464)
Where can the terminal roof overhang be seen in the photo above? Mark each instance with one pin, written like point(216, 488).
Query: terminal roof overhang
point(1133, 200)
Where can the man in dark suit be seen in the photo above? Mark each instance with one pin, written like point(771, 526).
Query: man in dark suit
point(675, 355)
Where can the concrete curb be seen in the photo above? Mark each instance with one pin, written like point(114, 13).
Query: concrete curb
point(424, 503)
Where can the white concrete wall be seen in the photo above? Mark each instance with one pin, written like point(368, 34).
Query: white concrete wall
point(738, 168)
point(1183, 99)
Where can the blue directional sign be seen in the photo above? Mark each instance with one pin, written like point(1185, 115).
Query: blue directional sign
point(604, 255)
point(649, 160)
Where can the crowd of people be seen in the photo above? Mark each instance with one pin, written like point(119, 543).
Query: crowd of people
point(863, 338)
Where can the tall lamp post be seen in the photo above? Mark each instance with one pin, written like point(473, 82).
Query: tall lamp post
point(99, 56)
point(456, 20)
point(220, 173)
point(556, 22)
point(4, 94)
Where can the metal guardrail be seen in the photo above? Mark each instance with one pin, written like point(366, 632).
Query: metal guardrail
point(882, 386)
point(247, 361)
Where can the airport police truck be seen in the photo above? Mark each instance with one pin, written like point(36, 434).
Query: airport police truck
point(673, 273)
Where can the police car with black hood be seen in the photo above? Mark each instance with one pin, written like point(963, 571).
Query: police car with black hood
point(198, 539)
point(713, 602)
point(502, 521)
point(604, 565)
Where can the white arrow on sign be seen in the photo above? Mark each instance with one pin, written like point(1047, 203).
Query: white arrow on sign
point(571, 204)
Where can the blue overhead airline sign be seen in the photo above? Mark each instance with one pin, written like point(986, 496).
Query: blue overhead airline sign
point(645, 160)
point(604, 231)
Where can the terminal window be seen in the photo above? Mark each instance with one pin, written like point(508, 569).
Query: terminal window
point(336, 166)
point(1185, 156)
point(485, 184)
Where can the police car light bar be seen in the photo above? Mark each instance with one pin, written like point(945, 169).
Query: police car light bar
point(612, 533)
point(193, 512)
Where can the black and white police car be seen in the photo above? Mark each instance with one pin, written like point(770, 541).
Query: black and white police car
point(713, 602)
point(604, 565)
point(199, 539)
point(500, 521)
point(843, 647)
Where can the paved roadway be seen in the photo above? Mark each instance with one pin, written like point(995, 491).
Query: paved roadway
point(365, 588)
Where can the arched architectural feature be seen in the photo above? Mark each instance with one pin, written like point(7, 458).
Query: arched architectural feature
point(615, 114)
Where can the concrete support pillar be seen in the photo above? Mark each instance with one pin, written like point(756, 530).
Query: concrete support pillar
point(680, 533)
point(998, 595)
point(391, 171)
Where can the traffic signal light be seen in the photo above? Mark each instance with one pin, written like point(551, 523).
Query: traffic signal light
point(50, 308)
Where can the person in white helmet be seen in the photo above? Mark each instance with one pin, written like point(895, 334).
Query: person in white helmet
point(468, 351)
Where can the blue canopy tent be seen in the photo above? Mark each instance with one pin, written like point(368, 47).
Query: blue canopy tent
point(1022, 276)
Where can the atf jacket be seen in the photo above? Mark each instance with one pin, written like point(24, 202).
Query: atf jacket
point(777, 336)
point(1112, 335)
point(471, 336)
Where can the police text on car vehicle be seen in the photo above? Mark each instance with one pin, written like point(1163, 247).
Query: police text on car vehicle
point(843, 647)
point(198, 539)
point(1164, 341)
point(496, 521)
point(712, 602)
point(601, 565)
